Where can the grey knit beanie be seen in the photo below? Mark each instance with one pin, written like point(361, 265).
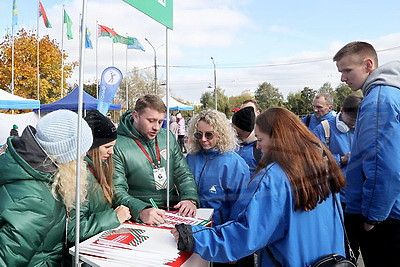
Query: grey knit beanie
point(57, 134)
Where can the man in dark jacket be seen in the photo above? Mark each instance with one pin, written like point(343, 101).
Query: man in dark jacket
point(140, 165)
point(37, 187)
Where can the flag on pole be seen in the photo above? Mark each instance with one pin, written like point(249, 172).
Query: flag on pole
point(15, 14)
point(42, 13)
point(136, 44)
point(88, 42)
point(68, 21)
point(131, 42)
point(105, 31)
point(110, 80)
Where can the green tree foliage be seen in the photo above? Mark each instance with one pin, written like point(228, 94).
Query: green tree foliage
point(268, 96)
point(25, 66)
point(91, 89)
point(326, 88)
point(207, 100)
point(236, 101)
point(300, 103)
point(341, 92)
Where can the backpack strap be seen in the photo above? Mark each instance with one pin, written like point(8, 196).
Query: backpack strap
point(308, 120)
point(327, 130)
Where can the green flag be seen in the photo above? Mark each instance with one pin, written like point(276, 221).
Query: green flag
point(68, 21)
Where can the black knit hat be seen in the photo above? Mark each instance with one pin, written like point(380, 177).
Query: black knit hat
point(103, 129)
point(244, 119)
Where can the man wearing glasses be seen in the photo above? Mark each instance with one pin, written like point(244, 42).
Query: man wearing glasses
point(140, 165)
point(322, 110)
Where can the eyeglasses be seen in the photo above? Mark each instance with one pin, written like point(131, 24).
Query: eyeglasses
point(208, 135)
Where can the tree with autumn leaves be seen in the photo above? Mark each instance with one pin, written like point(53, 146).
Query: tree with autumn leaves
point(25, 66)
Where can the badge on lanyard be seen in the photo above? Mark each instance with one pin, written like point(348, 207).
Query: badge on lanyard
point(160, 178)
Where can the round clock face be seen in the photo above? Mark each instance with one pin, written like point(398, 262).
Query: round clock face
point(111, 77)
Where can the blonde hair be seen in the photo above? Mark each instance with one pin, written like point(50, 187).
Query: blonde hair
point(64, 183)
point(226, 136)
point(103, 173)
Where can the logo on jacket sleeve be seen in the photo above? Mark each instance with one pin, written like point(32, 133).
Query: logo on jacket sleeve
point(213, 189)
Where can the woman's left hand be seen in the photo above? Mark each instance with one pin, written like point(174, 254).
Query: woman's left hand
point(186, 208)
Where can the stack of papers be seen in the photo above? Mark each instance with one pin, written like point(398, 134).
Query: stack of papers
point(133, 245)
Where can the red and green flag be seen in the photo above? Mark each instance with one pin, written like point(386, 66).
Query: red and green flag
point(105, 31)
point(42, 13)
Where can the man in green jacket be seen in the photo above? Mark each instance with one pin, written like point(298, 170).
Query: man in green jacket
point(140, 165)
point(37, 189)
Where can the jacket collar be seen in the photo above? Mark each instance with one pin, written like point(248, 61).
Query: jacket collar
point(28, 148)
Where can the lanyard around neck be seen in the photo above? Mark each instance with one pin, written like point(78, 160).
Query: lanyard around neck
point(147, 154)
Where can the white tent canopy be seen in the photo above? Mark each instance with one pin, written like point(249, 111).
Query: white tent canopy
point(10, 101)
point(21, 120)
point(176, 105)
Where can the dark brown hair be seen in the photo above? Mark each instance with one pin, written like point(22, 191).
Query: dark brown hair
point(308, 164)
point(103, 173)
point(152, 102)
point(362, 49)
point(351, 104)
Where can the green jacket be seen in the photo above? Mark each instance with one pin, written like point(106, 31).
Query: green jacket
point(32, 221)
point(133, 177)
point(97, 214)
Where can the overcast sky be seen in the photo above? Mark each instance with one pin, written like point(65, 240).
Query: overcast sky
point(289, 44)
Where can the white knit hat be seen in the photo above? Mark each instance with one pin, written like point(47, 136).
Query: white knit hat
point(57, 134)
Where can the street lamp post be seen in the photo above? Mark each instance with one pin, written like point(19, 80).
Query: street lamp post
point(215, 84)
point(155, 64)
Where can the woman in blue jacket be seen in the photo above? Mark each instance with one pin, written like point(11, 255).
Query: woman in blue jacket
point(289, 216)
point(220, 174)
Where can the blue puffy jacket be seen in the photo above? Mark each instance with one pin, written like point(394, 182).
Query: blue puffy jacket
point(373, 171)
point(314, 121)
point(295, 238)
point(246, 151)
point(220, 179)
point(340, 145)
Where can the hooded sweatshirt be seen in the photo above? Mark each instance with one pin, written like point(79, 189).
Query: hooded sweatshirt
point(373, 187)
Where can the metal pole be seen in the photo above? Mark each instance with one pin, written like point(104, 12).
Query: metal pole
point(126, 76)
point(37, 53)
point(167, 103)
point(155, 64)
point(78, 149)
point(215, 85)
point(97, 41)
point(62, 52)
point(12, 58)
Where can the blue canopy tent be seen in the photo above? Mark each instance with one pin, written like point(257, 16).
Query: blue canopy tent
point(176, 105)
point(70, 102)
point(10, 101)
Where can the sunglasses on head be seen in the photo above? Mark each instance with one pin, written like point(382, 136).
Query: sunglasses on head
point(208, 135)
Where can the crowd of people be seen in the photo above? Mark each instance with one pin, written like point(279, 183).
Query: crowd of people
point(272, 179)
